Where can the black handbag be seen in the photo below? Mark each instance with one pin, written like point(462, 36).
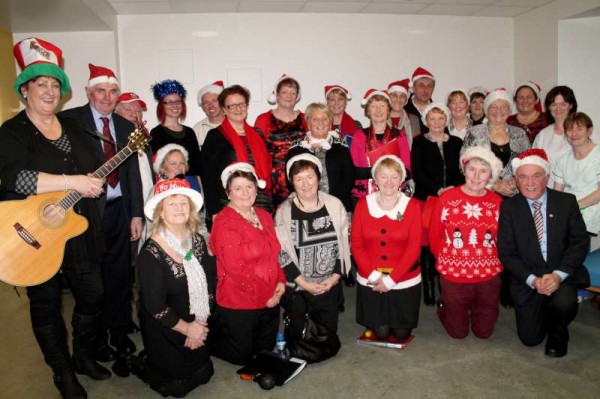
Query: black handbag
point(305, 338)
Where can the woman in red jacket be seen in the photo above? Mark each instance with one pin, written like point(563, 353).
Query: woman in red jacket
point(250, 280)
point(385, 243)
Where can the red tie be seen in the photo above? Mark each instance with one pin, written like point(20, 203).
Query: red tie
point(109, 152)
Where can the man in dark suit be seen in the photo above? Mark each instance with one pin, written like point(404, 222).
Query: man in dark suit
point(121, 207)
point(542, 242)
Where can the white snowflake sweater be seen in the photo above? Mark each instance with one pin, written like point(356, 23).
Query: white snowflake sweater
point(462, 236)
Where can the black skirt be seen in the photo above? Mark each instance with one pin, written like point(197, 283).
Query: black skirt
point(395, 308)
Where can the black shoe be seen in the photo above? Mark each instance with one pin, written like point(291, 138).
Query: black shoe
point(556, 352)
point(105, 354)
point(122, 366)
point(91, 368)
point(122, 343)
point(68, 385)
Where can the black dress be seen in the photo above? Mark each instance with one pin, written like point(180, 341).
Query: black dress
point(171, 368)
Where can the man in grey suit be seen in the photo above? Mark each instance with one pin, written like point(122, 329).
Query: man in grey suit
point(542, 242)
point(121, 207)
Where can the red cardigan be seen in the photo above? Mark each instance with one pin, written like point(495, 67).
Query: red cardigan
point(386, 243)
point(248, 267)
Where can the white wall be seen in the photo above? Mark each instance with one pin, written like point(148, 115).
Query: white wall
point(578, 61)
point(356, 51)
point(79, 49)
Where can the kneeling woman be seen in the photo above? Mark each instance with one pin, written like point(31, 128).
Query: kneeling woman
point(251, 282)
point(462, 236)
point(312, 227)
point(177, 283)
point(386, 241)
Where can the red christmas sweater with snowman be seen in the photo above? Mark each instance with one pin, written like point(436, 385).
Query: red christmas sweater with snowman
point(462, 236)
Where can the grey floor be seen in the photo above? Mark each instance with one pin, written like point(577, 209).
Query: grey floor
point(432, 366)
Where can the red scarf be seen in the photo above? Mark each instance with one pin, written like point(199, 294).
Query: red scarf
point(372, 138)
point(262, 159)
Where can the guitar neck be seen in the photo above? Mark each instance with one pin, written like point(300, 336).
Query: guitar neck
point(73, 196)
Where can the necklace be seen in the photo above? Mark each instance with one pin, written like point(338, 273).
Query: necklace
point(307, 209)
point(382, 204)
point(252, 219)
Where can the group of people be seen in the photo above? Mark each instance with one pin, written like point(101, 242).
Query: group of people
point(240, 219)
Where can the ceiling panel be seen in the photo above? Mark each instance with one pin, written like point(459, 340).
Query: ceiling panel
point(450, 9)
point(195, 6)
point(393, 8)
point(271, 6)
point(497, 11)
point(344, 7)
point(141, 7)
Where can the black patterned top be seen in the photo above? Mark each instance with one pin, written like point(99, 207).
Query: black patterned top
point(316, 245)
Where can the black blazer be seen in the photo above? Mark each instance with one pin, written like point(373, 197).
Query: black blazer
point(129, 172)
point(568, 242)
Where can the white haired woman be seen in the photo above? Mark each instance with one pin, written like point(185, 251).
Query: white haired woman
point(462, 237)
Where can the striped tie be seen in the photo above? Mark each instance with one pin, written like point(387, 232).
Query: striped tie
point(538, 219)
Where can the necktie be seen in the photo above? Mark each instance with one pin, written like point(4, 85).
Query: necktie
point(109, 151)
point(538, 219)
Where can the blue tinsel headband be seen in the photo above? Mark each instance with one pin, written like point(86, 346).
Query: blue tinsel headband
point(166, 87)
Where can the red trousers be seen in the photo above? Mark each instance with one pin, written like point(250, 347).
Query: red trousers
point(475, 303)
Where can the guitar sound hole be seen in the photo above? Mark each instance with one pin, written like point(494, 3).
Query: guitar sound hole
point(54, 214)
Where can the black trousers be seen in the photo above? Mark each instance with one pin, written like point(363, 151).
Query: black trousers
point(237, 335)
point(539, 316)
point(45, 303)
point(117, 271)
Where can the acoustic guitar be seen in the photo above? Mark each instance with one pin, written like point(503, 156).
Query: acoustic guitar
point(35, 230)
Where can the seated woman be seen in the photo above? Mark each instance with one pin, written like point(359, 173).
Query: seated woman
point(251, 282)
point(312, 227)
point(385, 241)
point(462, 237)
point(368, 143)
point(337, 178)
point(578, 171)
point(177, 284)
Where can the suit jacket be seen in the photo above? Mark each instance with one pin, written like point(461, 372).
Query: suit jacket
point(568, 242)
point(129, 172)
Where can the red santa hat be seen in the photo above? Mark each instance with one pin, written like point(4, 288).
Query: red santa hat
point(215, 87)
point(130, 97)
point(165, 188)
point(373, 92)
point(400, 86)
point(420, 73)
point(328, 90)
point(100, 74)
point(272, 99)
point(533, 156)
point(37, 57)
point(537, 90)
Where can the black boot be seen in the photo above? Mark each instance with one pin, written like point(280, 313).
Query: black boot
point(428, 272)
point(103, 352)
point(53, 343)
point(85, 330)
point(121, 342)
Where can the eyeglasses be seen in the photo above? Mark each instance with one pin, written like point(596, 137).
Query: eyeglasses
point(231, 107)
point(498, 109)
point(171, 103)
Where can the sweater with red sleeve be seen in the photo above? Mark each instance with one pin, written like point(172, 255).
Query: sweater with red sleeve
point(248, 267)
point(388, 241)
point(463, 234)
